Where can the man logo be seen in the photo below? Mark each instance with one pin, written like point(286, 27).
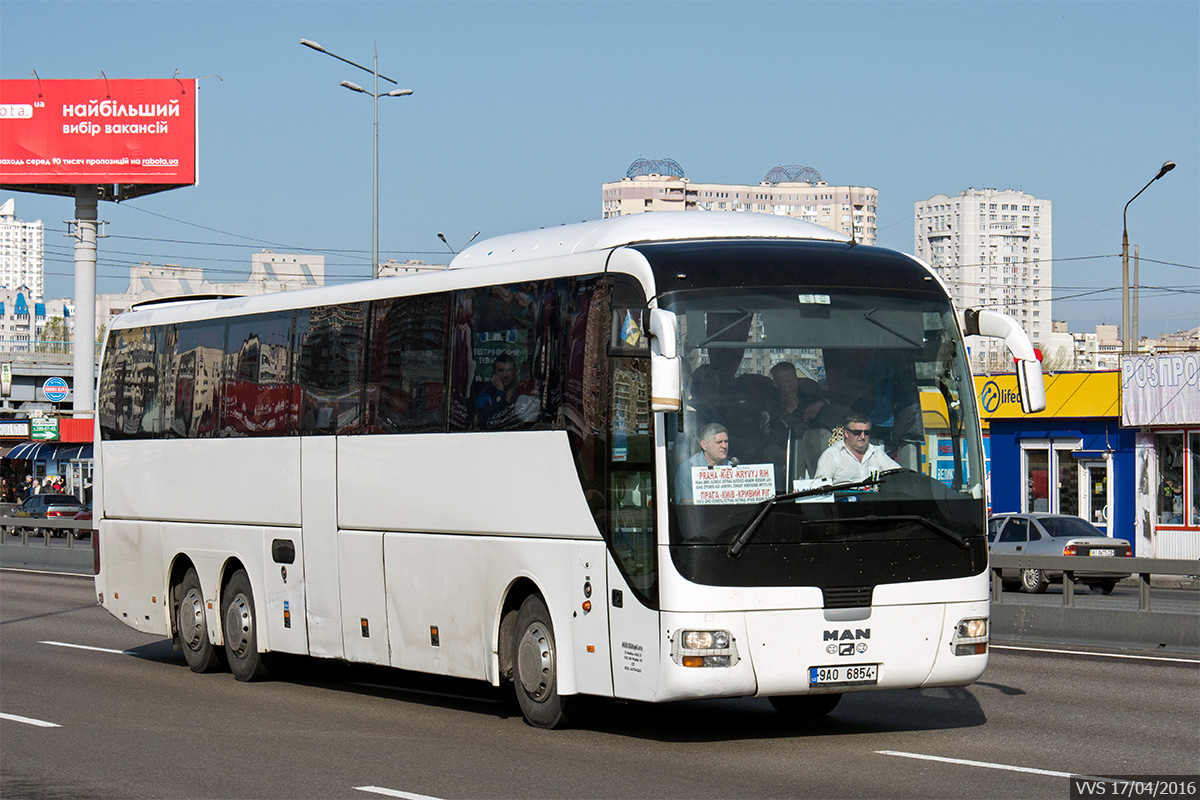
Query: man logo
point(847, 634)
point(846, 649)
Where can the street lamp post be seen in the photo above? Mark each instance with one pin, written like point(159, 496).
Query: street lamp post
point(375, 95)
point(1127, 343)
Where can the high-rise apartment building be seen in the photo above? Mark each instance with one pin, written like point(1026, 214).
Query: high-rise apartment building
point(21, 246)
point(797, 192)
point(992, 248)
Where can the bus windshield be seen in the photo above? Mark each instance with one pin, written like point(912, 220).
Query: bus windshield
point(792, 389)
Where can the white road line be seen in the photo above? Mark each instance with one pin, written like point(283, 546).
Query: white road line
point(41, 723)
point(88, 647)
point(1093, 653)
point(394, 793)
point(985, 764)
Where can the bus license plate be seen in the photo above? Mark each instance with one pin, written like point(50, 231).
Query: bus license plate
point(844, 675)
point(1105, 552)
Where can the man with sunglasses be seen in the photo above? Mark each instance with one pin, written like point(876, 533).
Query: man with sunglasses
point(854, 458)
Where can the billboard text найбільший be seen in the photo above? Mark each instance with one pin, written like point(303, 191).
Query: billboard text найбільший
point(98, 131)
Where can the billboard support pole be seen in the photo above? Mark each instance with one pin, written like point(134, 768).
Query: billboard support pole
point(86, 202)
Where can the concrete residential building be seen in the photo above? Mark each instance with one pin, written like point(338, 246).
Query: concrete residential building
point(797, 192)
point(992, 247)
point(21, 247)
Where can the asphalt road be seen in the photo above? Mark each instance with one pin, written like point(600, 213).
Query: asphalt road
point(133, 721)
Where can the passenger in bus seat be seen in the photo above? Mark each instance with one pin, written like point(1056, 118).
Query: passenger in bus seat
point(854, 458)
point(714, 452)
point(500, 406)
point(802, 418)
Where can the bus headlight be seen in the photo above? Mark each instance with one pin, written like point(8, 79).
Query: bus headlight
point(970, 637)
point(693, 648)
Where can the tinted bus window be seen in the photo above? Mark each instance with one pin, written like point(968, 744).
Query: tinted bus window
point(261, 396)
point(193, 386)
point(509, 350)
point(406, 369)
point(330, 365)
point(129, 396)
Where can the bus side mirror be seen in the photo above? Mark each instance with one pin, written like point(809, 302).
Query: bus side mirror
point(993, 324)
point(666, 384)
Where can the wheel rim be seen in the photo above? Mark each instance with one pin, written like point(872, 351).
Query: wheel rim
point(191, 619)
point(239, 626)
point(1031, 577)
point(535, 662)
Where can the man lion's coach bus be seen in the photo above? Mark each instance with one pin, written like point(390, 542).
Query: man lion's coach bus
point(587, 460)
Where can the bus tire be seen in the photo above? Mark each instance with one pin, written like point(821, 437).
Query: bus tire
point(192, 625)
point(1034, 581)
point(805, 706)
point(535, 667)
point(240, 629)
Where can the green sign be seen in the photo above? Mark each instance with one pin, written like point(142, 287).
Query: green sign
point(43, 428)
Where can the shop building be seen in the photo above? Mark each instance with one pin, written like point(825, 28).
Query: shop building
point(1160, 403)
point(1118, 448)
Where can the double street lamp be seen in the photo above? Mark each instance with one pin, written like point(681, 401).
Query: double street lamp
point(375, 95)
point(1127, 343)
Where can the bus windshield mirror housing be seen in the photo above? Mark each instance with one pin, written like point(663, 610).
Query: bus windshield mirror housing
point(666, 384)
point(995, 325)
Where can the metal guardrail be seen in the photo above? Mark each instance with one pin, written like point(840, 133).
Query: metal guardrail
point(1143, 568)
point(34, 529)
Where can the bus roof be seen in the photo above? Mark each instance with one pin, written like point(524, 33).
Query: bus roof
point(656, 226)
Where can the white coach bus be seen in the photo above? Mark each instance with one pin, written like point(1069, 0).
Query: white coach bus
point(482, 472)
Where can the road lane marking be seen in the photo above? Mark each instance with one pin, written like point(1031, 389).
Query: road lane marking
point(89, 647)
point(394, 793)
point(985, 764)
point(1133, 656)
point(41, 723)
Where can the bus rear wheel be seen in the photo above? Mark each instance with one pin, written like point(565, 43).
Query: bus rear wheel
point(805, 706)
point(535, 667)
point(192, 625)
point(241, 639)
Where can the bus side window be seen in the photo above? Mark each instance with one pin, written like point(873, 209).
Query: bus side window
point(259, 389)
point(406, 365)
point(330, 352)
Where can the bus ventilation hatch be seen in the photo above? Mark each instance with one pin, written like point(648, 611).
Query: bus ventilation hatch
point(847, 596)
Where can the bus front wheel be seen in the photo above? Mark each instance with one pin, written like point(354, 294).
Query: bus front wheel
point(198, 651)
point(241, 640)
point(535, 667)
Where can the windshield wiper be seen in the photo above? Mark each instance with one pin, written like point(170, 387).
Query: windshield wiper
point(747, 533)
point(941, 530)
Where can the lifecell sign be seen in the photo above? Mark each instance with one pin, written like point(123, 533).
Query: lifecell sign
point(98, 131)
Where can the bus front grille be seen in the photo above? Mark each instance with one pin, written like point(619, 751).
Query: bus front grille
point(847, 596)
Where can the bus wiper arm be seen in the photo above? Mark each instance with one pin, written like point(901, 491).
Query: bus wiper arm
point(941, 530)
point(747, 533)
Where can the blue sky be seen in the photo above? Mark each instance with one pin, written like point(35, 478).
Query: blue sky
point(521, 110)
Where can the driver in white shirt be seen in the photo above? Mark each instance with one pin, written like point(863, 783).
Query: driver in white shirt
point(854, 458)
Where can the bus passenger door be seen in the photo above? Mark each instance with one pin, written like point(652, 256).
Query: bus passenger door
point(633, 639)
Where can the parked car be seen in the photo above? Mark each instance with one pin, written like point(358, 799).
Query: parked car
point(85, 514)
point(49, 506)
point(1053, 535)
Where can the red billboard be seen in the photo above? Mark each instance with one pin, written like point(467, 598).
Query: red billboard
point(98, 131)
